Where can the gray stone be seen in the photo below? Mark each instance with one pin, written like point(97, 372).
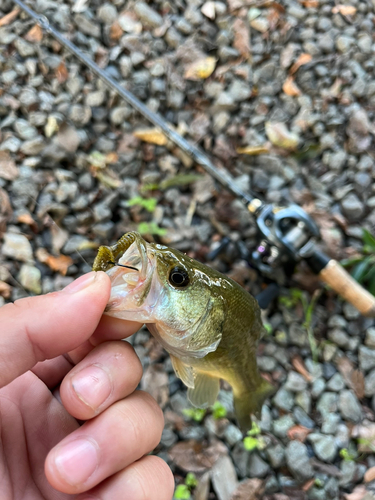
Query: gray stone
point(352, 207)
point(30, 278)
point(364, 42)
point(257, 467)
point(95, 98)
point(343, 43)
point(370, 384)
point(302, 418)
point(370, 337)
point(330, 423)
point(348, 470)
point(240, 458)
point(336, 383)
point(107, 13)
point(24, 48)
point(284, 399)
point(327, 403)
point(34, 146)
point(276, 456)
point(324, 446)
point(303, 399)
point(17, 246)
point(298, 461)
point(168, 437)
point(349, 406)
point(318, 387)
point(239, 90)
point(342, 436)
point(232, 435)
point(295, 382)
point(147, 15)
point(282, 425)
point(224, 478)
point(25, 130)
point(366, 358)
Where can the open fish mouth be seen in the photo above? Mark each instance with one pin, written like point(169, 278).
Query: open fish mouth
point(130, 266)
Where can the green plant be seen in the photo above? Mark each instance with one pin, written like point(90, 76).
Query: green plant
point(183, 491)
point(218, 410)
point(151, 228)
point(148, 203)
point(363, 266)
point(196, 414)
point(268, 328)
point(253, 440)
point(347, 455)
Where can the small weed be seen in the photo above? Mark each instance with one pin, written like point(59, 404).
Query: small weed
point(196, 414)
point(190, 480)
point(218, 410)
point(268, 328)
point(148, 203)
point(151, 228)
point(253, 440)
point(347, 455)
point(363, 266)
point(183, 491)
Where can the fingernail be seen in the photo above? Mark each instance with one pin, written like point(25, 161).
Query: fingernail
point(92, 385)
point(77, 461)
point(82, 282)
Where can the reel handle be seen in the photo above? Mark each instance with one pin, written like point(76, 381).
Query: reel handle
point(340, 280)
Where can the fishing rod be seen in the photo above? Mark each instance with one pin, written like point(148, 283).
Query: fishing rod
point(287, 233)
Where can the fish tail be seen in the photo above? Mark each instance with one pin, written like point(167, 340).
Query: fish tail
point(248, 402)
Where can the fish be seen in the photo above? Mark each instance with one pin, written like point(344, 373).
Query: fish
point(208, 323)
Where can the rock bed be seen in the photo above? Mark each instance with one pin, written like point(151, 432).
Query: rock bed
point(71, 170)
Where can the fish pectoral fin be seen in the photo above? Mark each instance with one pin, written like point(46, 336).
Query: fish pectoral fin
point(209, 331)
point(183, 371)
point(205, 390)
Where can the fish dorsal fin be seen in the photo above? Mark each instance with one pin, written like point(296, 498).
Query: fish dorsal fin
point(205, 390)
point(208, 334)
point(183, 371)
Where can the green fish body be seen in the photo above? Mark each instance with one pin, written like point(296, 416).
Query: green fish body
point(208, 323)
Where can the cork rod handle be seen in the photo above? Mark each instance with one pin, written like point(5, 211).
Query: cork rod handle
point(337, 278)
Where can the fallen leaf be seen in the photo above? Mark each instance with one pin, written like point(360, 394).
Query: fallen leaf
point(309, 484)
point(197, 457)
point(151, 135)
point(369, 475)
point(279, 135)
point(5, 210)
point(335, 89)
point(8, 168)
point(329, 469)
point(202, 489)
point(25, 218)
point(358, 493)
point(249, 489)
point(115, 32)
point(290, 88)
point(298, 364)
point(253, 150)
point(5, 289)
point(61, 72)
point(108, 178)
point(155, 382)
point(201, 69)
point(241, 40)
point(68, 138)
point(34, 35)
point(354, 379)
point(11, 16)
point(310, 3)
point(302, 59)
point(111, 158)
point(59, 264)
point(344, 10)
point(365, 434)
point(299, 433)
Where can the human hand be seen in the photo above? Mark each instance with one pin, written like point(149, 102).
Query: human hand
point(61, 338)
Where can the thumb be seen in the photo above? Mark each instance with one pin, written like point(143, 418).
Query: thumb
point(39, 328)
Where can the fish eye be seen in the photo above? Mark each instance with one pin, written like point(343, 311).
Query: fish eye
point(178, 277)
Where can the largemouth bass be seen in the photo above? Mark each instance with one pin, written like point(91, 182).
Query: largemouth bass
point(209, 325)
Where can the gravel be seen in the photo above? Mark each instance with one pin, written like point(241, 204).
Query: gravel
point(76, 165)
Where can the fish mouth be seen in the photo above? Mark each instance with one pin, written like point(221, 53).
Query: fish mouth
point(132, 266)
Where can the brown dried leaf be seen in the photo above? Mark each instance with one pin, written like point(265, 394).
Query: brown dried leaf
point(8, 18)
point(298, 364)
point(8, 168)
point(111, 158)
point(353, 378)
point(369, 475)
point(329, 469)
point(115, 31)
point(365, 433)
point(34, 35)
point(194, 456)
point(310, 3)
point(155, 382)
point(309, 484)
point(201, 69)
point(344, 10)
point(250, 489)
point(59, 264)
point(61, 72)
point(5, 210)
point(25, 218)
point(151, 135)
point(302, 59)
point(253, 150)
point(358, 493)
point(5, 289)
point(299, 433)
point(290, 88)
point(280, 136)
point(242, 38)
